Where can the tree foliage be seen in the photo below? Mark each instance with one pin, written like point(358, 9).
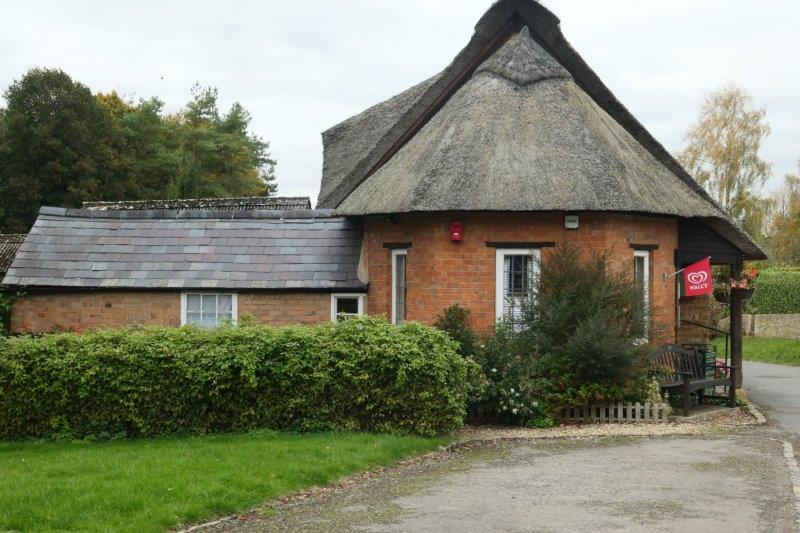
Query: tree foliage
point(61, 145)
point(784, 231)
point(722, 152)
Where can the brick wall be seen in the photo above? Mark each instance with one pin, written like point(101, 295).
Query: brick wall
point(441, 273)
point(81, 311)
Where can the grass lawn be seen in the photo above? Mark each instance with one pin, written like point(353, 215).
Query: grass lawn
point(153, 484)
point(779, 351)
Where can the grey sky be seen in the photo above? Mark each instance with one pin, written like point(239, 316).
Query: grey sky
point(301, 67)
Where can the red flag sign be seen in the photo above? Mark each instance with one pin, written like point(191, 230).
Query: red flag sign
point(697, 278)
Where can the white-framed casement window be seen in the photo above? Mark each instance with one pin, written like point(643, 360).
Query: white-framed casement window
point(399, 285)
point(343, 306)
point(208, 309)
point(641, 279)
point(515, 274)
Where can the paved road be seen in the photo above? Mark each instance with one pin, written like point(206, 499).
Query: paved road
point(709, 484)
point(776, 388)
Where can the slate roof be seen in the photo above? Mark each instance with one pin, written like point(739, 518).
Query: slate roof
point(9, 243)
point(244, 203)
point(517, 122)
point(263, 249)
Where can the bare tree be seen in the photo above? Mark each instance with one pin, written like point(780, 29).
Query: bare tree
point(722, 152)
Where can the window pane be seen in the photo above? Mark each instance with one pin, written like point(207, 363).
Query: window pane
point(193, 303)
point(209, 321)
point(347, 305)
point(224, 303)
point(400, 288)
point(209, 304)
point(638, 272)
point(517, 282)
point(193, 318)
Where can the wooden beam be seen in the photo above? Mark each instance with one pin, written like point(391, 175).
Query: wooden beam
point(736, 326)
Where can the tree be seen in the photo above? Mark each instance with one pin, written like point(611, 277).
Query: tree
point(722, 153)
point(784, 232)
point(60, 145)
point(57, 148)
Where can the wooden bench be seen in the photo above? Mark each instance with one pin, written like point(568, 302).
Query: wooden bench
point(679, 369)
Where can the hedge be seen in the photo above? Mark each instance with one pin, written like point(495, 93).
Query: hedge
point(362, 374)
point(776, 291)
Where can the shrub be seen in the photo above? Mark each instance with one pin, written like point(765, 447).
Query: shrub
point(361, 374)
point(5, 312)
point(453, 321)
point(776, 291)
point(577, 342)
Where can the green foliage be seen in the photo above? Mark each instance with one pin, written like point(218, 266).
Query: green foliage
point(143, 485)
point(5, 312)
point(776, 291)
point(454, 322)
point(361, 374)
point(61, 145)
point(575, 343)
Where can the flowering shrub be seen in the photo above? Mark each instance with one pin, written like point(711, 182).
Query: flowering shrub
point(576, 343)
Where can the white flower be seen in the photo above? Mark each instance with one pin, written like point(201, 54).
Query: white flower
point(517, 394)
point(494, 370)
point(512, 391)
point(514, 411)
point(536, 403)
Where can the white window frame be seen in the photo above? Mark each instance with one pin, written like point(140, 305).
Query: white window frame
point(500, 255)
point(395, 253)
point(337, 295)
point(645, 254)
point(234, 303)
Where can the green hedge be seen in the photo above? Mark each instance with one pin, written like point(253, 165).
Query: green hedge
point(363, 374)
point(776, 291)
point(5, 312)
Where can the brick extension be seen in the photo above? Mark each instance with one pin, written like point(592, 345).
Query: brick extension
point(81, 311)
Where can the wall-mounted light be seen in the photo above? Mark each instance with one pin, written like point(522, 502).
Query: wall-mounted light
point(571, 221)
point(456, 231)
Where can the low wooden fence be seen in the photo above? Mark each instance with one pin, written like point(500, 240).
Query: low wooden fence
point(617, 412)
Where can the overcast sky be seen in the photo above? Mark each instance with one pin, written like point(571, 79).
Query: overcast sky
point(301, 67)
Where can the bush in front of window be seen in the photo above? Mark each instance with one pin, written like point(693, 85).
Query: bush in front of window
point(362, 374)
point(578, 341)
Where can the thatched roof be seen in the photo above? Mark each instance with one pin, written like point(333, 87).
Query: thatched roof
point(518, 122)
point(241, 203)
point(9, 244)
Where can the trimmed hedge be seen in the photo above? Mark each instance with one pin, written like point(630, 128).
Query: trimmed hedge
point(776, 291)
point(362, 374)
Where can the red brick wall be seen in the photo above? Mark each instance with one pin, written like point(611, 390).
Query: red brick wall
point(81, 311)
point(440, 272)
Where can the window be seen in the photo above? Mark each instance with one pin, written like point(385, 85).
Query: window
point(207, 310)
point(641, 277)
point(344, 306)
point(515, 274)
point(399, 286)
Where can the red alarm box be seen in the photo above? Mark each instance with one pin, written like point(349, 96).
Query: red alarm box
point(456, 231)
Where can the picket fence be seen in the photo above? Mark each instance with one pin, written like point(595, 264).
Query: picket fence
point(617, 412)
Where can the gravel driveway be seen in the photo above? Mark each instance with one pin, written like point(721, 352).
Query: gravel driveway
point(722, 480)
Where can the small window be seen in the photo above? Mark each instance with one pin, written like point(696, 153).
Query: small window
point(399, 286)
point(208, 310)
point(641, 278)
point(514, 280)
point(344, 306)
